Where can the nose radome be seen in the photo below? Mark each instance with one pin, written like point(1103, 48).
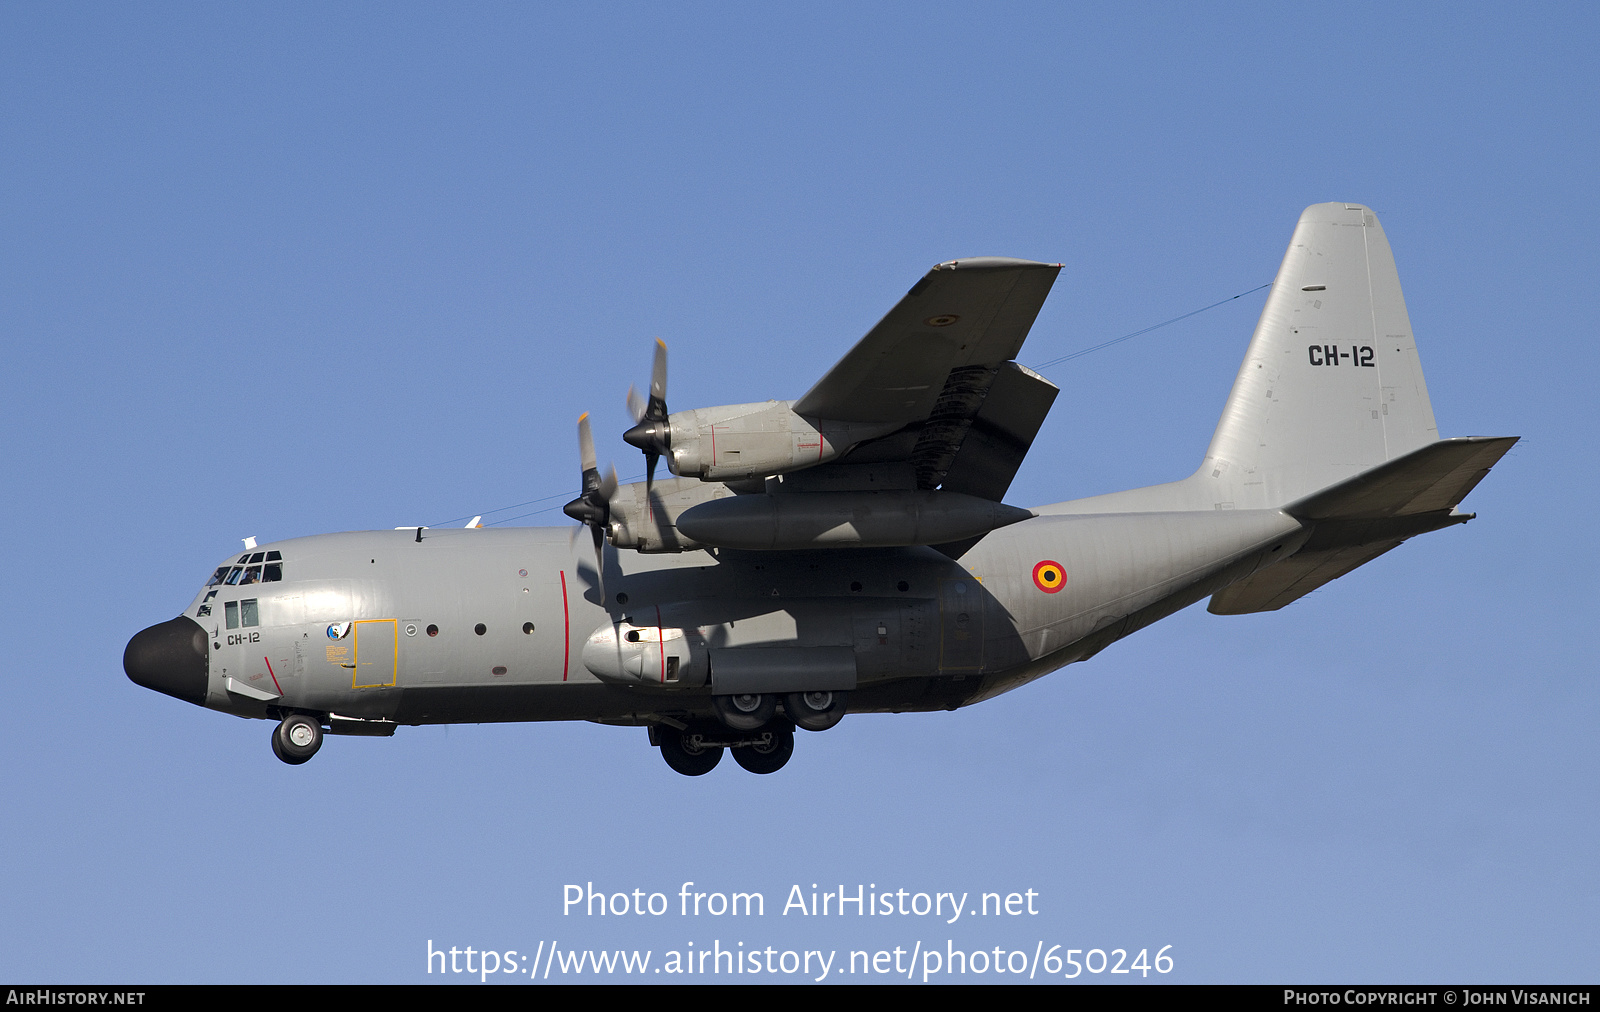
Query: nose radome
point(171, 658)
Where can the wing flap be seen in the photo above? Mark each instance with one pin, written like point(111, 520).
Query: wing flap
point(1001, 433)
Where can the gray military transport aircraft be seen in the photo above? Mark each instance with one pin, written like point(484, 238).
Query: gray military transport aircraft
point(849, 551)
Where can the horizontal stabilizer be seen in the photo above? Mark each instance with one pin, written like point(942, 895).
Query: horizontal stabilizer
point(1359, 519)
point(1293, 578)
point(1436, 477)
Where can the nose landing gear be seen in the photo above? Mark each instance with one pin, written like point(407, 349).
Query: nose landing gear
point(297, 739)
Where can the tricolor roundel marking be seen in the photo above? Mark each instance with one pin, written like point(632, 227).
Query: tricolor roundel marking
point(1049, 576)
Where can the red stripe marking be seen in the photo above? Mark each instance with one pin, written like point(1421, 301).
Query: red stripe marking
point(566, 627)
point(275, 684)
point(661, 641)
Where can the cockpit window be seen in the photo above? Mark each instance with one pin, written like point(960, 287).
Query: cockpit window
point(252, 567)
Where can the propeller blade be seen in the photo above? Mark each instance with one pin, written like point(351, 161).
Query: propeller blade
point(585, 443)
point(636, 404)
point(600, 560)
point(658, 375)
point(591, 507)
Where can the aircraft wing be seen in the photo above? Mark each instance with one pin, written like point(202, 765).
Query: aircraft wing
point(963, 313)
point(939, 365)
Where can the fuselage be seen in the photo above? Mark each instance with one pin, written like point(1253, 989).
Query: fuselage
point(479, 625)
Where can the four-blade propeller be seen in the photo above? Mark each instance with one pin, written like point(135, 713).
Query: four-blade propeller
point(593, 506)
point(652, 434)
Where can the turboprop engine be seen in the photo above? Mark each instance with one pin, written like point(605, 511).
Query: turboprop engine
point(735, 441)
point(738, 441)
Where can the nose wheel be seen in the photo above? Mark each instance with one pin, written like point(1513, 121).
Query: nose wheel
point(297, 739)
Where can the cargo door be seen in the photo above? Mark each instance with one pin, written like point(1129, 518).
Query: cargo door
point(377, 657)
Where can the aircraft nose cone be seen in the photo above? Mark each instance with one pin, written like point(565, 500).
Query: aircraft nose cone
point(171, 658)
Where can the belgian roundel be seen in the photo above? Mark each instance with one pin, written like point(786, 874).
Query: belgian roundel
point(1049, 576)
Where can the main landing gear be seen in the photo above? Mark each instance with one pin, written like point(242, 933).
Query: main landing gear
point(297, 738)
point(761, 740)
point(696, 751)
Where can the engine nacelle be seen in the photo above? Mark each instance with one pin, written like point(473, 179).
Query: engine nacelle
point(657, 656)
point(739, 441)
point(644, 516)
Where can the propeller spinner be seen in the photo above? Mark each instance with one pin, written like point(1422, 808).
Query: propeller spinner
point(652, 434)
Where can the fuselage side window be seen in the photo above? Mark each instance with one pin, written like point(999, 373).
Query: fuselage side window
point(246, 613)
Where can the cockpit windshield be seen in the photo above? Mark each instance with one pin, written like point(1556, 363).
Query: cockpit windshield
point(251, 567)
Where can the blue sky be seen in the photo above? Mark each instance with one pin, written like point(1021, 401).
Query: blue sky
point(280, 271)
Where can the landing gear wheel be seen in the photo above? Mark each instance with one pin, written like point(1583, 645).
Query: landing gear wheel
point(297, 738)
point(815, 711)
point(684, 753)
point(767, 756)
point(746, 711)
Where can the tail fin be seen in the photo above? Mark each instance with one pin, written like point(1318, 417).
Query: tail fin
point(1331, 385)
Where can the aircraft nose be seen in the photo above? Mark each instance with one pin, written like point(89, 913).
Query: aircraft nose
point(171, 658)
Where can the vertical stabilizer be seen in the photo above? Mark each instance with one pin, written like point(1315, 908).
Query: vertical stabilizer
point(1331, 384)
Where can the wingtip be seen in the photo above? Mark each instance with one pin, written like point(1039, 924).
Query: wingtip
point(992, 264)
